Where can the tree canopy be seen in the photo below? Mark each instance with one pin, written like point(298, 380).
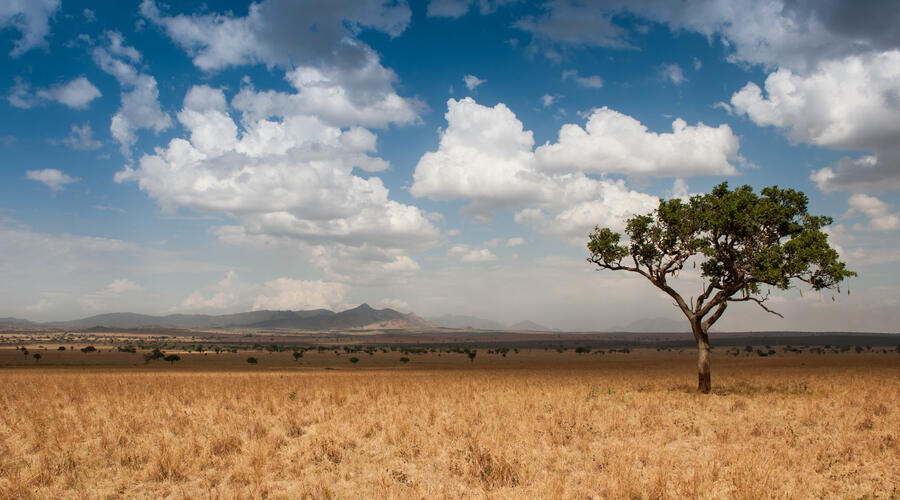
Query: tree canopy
point(745, 244)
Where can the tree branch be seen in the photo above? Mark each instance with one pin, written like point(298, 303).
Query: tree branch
point(760, 302)
point(679, 300)
point(618, 267)
point(715, 316)
point(705, 295)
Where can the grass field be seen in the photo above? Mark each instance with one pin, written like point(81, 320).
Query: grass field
point(537, 424)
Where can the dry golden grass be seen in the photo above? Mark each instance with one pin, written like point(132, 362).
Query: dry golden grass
point(799, 427)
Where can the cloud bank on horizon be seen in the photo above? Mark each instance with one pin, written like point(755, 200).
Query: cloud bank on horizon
point(449, 157)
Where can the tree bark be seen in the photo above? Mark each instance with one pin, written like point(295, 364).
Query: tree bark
point(704, 384)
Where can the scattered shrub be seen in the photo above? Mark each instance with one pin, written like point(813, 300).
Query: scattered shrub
point(252, 360)
point(354, 360)
point(154, 355)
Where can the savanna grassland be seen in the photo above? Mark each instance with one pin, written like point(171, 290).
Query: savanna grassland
point(533, 424)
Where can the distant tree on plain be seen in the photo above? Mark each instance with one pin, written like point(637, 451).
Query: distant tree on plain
point(252, 360)
point(172, 358)
point(742, 241)
point(154, 355)
point(37, 356)
point(297, 355)
point(471, 353)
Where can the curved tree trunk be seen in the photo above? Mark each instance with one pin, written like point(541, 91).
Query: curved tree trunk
point(704, 383)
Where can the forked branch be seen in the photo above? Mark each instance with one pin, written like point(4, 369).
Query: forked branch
point(759, 301)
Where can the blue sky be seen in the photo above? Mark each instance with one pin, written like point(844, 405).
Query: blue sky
point(437, 157)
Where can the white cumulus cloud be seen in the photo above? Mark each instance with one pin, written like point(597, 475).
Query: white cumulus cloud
point(878, 212)
point(54, 179)
point(336, 76)
point(289, 179)
point(270, 33)
point(472, 82)
point(486, 156)
point(31, 18)
point(779, 33)
point(369, 99)
point(591, 82)
point(140, 108)
point(673, 73)
point(612, 142)
point(76, 94)
point(851, 103)
point(471, 255)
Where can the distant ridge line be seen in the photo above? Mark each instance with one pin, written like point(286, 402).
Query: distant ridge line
point(362, 316)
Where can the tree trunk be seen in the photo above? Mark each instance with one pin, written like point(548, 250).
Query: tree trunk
point(704, 384)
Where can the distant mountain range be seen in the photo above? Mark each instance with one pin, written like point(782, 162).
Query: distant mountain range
point(461, 321)
point(362, 317)
point(14, 322)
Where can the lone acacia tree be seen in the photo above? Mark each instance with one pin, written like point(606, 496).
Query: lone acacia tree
point(741, 240)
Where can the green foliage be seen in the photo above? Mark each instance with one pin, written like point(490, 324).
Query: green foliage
point(172, 358)
point(354, 360)
point(404, 360)
point(252, 360)
point(741, 239)
point(89, 348)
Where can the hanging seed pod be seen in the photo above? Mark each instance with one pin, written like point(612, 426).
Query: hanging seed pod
point(832, 298)
point(801, 291)
point(848, 291)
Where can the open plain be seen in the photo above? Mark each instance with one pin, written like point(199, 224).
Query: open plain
point(512, 423)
